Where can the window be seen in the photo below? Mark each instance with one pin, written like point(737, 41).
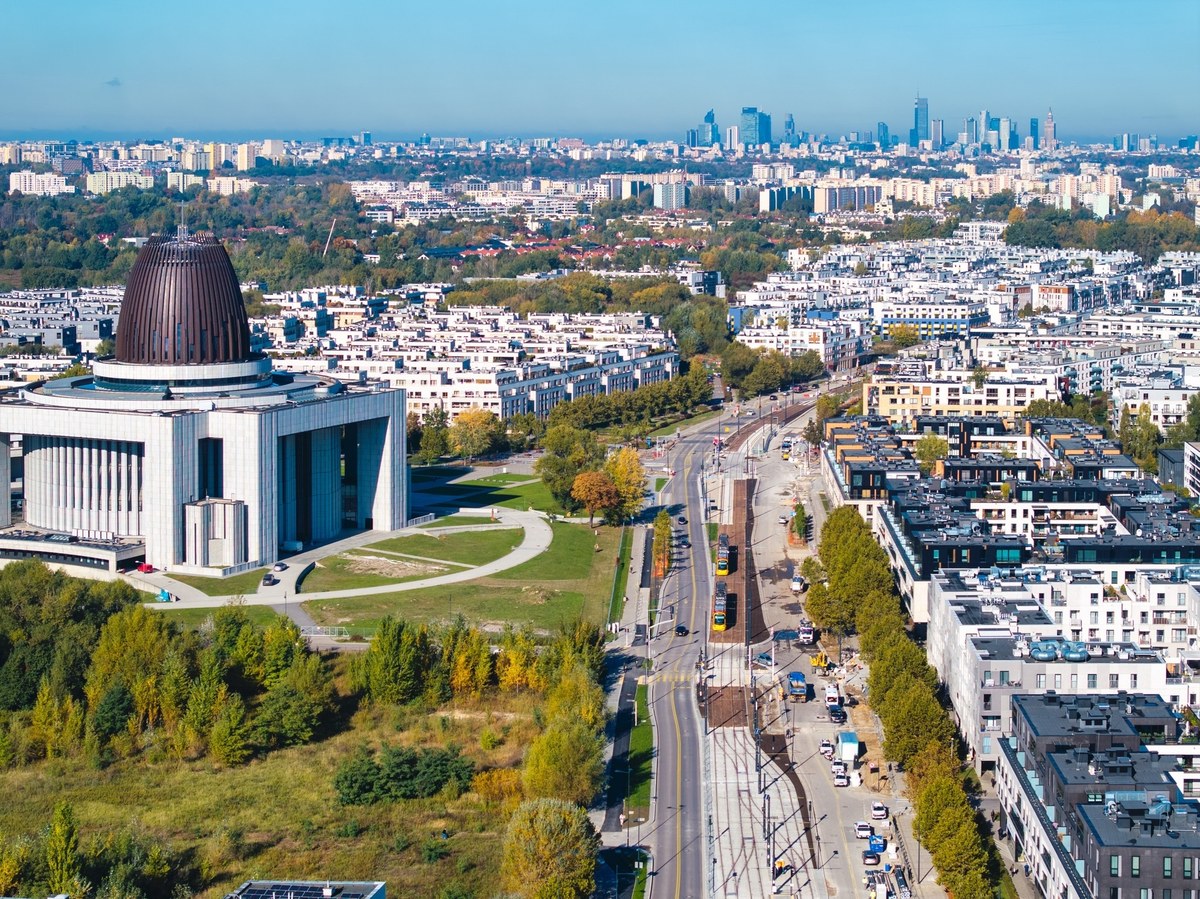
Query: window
point(1058, 682)
point(1114, 865)
point(1166, 866)
point(1135, 866)
point(1040, 681)
point(1187, 869)
point(1133, 681)
point(1093, 618)
point(1074, 682)
point(1112, 681)
point(1003, 678)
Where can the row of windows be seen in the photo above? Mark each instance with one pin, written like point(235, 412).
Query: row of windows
point(1168, 867)
point(1040, 681)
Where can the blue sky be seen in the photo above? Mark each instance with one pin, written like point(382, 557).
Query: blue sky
point(614, 68)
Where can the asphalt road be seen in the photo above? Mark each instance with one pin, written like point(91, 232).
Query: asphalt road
point(678, 838)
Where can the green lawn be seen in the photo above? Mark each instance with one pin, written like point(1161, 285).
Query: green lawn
point(239, 585)
point(499, 480)
point(469, 547)
point(641, 759)
point(335, 573)
point(616, 602)
point(568, 580)
point(190, 619)
point(533, 494)
point(572, 554)
point(659, 483)
point(453, 521)
point(668, 430)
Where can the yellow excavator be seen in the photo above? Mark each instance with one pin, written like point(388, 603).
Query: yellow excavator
point(819, 661)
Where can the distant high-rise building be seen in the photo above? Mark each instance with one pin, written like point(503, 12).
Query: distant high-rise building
point(671, 196)
point(1051, 136)
point(1033, 131)
point(971, 127)
point(691, 138)
point(937, 129)
point(920, 128)
point(789, 131)
point(709, 132)
point(884, 135)
point(981, 126)
point(1005, 132)
point(364, 138)
point(733, 137)
point(755, 127)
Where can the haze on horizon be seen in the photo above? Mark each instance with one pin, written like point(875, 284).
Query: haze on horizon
point(621, 69)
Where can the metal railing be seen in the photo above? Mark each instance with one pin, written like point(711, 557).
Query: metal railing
point(420, 520)
point(316, 630)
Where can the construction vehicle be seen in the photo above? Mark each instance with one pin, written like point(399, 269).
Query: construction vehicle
point(797, 687)
point(819, 661)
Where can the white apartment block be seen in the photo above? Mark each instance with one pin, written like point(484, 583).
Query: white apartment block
point(106, 182)
point(901, 398)
point(1168, 405)
point(39, 184)
point(838, 343)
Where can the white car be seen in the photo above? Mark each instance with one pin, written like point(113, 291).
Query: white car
point(827, 748)
point(862, 830)
point(879, 811)
point(841, 780)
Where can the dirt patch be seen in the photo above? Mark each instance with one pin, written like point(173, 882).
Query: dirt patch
point(387, 567)
point(726, 707)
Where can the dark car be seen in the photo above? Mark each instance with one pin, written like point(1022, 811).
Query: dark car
point(269, 580)
point(685, 543)
point(680, 631)
point(870, 858)
point(837, 716)
point(681, 519)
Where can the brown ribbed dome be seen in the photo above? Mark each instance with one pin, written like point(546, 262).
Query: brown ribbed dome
point(182, 305)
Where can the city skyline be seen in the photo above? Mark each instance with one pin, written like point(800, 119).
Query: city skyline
point(164, 71)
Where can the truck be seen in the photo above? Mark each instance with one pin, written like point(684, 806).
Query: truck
point(833, 699)
point(797, 687)
point(847, 747)
point(805, 634)
point(877, 843)
point(797, 583)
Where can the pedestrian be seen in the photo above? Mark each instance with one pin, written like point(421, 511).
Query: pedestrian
point(1027, 870)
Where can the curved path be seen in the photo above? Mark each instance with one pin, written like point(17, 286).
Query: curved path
point(283, 596)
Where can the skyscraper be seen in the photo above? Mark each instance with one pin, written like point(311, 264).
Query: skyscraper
point(920, 128)
point(733, 137)
point(755, 127)
point(1005, 132)
point(1051, 138)
point(884, 135)
point(1033, 131)
point(971, 126)
point(937, 133)
point(982, 126)
point(709, 132)
point(789, 131)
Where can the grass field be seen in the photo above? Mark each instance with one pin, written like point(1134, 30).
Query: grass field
point(641, 760)
point(616, 601)
point(469, 547)
point(475, 493)
point(190, 619)
point(659, 483)
point(669, 429)
point(335, 573)
point(278, 816)
point(239, 585)
point(567, 580)
point(452, 521)
point(501, 480)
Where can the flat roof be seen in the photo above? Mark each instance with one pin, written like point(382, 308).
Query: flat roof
point(309, 889)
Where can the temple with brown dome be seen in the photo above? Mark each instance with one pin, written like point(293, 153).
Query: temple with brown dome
point(185, 450)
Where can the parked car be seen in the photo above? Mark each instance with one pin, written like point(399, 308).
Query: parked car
point(862, 830)
point(681, 520)
point(841, 780)
point(685, 543)
point(145, 568)
point(837, 716)
point(879, 811)
point(784, 519)
point(870, 858)
point(827, 748)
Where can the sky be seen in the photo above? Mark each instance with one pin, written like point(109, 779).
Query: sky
point(617, 68)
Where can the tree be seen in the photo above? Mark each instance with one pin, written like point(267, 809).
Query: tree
point(800, 521)
point(930, 448)
point(63, 870)
point(807, 366)
point(903, 336)
point(550, 851)
point(979, 376)
point(475, 432)
point(566, 762)
point(286, 717)
point(596, 492)
point(1140, 437)
point(660, 547)
point(737, 361)
point(229, 739)
point(625, 469)
point(568, 451)
point(394, 669)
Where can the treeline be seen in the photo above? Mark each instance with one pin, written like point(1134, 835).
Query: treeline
point(853, 592)
point(753, 372)
point(1148, 234)
point(549, 845)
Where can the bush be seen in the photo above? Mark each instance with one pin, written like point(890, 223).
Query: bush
point(433, 851)
point(401, 773)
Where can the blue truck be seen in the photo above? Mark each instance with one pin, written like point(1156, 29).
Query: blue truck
point(797, 687)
